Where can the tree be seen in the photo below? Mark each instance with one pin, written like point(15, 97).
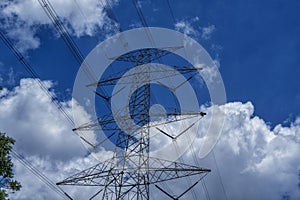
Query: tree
point(7, 183)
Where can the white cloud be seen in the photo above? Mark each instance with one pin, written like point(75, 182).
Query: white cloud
point(186, 27)
point(23, 18)
point(7, 76)
point(135, 24)
point(31, 118)
point(207, 31)
point(191, 28)
point(34, 188)
point(254, 160)
point(11, 77)
point(43, 136)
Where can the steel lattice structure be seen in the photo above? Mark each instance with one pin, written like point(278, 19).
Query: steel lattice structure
point(131, 171)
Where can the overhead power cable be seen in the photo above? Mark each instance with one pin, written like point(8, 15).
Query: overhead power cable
point(41, 176)
point(62, 30)
point(171, 11)
point(31, 71)
point(28, 67)
point(145, 25)
point(54, 100)
point(218, 171)
point(203, 183)
point(139, 12)
point(49, 10)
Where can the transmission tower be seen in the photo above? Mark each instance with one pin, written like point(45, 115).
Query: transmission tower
point(131, 171)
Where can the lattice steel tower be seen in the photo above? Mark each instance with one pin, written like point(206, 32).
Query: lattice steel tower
point(131, 171)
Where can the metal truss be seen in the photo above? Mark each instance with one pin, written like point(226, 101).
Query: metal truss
point(147, 55)
point(159, 171)
point(131, 171)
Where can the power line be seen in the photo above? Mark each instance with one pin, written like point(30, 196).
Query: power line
point(223, 187)
point(51, 13)
point(29, 68)
point(197, 162)
point(171, 11)
point(203, 183)
point(188, 178)
point(194, 155)
point(192, 146)
point(58, 24)
point(41, 176)
point(144, 23)
point(65, 34)
point(54, 100)
point(118, 29)
point(139, 12)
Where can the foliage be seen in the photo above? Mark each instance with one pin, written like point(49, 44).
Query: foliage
point(6, 167)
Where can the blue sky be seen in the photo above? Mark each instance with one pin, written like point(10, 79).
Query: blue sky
point(255, 43)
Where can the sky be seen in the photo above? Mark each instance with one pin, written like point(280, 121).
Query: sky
point(255, 45)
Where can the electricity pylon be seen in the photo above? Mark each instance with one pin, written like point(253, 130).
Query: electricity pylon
point(131, 170)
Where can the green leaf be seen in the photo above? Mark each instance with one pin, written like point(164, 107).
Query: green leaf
point(6, 167)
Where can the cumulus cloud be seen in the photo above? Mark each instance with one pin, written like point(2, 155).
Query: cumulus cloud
point(250, 161)
point(22, 19)
point(31, 118)
point(34, 188)
point(255, 161)
point(43, 136)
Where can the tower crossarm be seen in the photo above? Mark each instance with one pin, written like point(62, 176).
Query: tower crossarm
point(146, 55)
point(130, 126)
point(108, 122)
point(157, 74)
point(174, 170)
point(90, 175)
point(159, 171)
